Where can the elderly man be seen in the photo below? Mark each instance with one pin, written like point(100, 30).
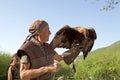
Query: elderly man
point(37, 60)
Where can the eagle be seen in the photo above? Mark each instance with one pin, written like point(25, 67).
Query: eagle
point(75, 39)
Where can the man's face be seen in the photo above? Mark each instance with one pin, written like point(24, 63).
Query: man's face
point(44, 34)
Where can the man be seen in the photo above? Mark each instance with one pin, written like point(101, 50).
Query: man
point(37, 60)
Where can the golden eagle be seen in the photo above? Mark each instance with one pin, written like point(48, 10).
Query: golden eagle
point(75, 39)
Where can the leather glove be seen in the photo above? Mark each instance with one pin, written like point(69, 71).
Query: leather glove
point(71, 54)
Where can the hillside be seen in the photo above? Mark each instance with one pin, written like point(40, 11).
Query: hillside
point(101, 64)
point(113, 48)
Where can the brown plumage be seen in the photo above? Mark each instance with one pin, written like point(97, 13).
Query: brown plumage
point(67, 37)
point(88, 43)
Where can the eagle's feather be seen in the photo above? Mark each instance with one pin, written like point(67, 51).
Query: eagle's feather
point(66, 37)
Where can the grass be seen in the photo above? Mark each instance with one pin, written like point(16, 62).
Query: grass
point(65, 71)
point(4, 62)
point(99, 67)
point(102, 64)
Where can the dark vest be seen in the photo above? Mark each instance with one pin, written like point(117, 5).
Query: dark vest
point(40, 55)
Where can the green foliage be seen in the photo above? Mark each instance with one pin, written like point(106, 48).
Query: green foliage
point(4, 61)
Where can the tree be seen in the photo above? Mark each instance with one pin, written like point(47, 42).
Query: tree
point(110, 4)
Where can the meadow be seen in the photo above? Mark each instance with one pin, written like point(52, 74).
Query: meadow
point(101, 64)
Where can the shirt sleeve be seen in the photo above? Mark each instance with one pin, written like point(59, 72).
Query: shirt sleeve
point(24, 59)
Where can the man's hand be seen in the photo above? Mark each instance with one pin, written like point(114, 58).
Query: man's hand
point(58, 57)
point(54, 68)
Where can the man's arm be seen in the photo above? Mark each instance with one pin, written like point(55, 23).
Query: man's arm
point(27, 74)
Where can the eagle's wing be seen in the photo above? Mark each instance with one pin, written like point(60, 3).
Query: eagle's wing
point(90, 41)
point(87, 48)
point(66, 37)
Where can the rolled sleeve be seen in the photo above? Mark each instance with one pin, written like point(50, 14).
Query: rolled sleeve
point(24, 59)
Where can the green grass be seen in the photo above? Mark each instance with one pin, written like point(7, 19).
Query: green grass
point(99, 67)
point(101, 64)
point(4, 62)
point(65, 71)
